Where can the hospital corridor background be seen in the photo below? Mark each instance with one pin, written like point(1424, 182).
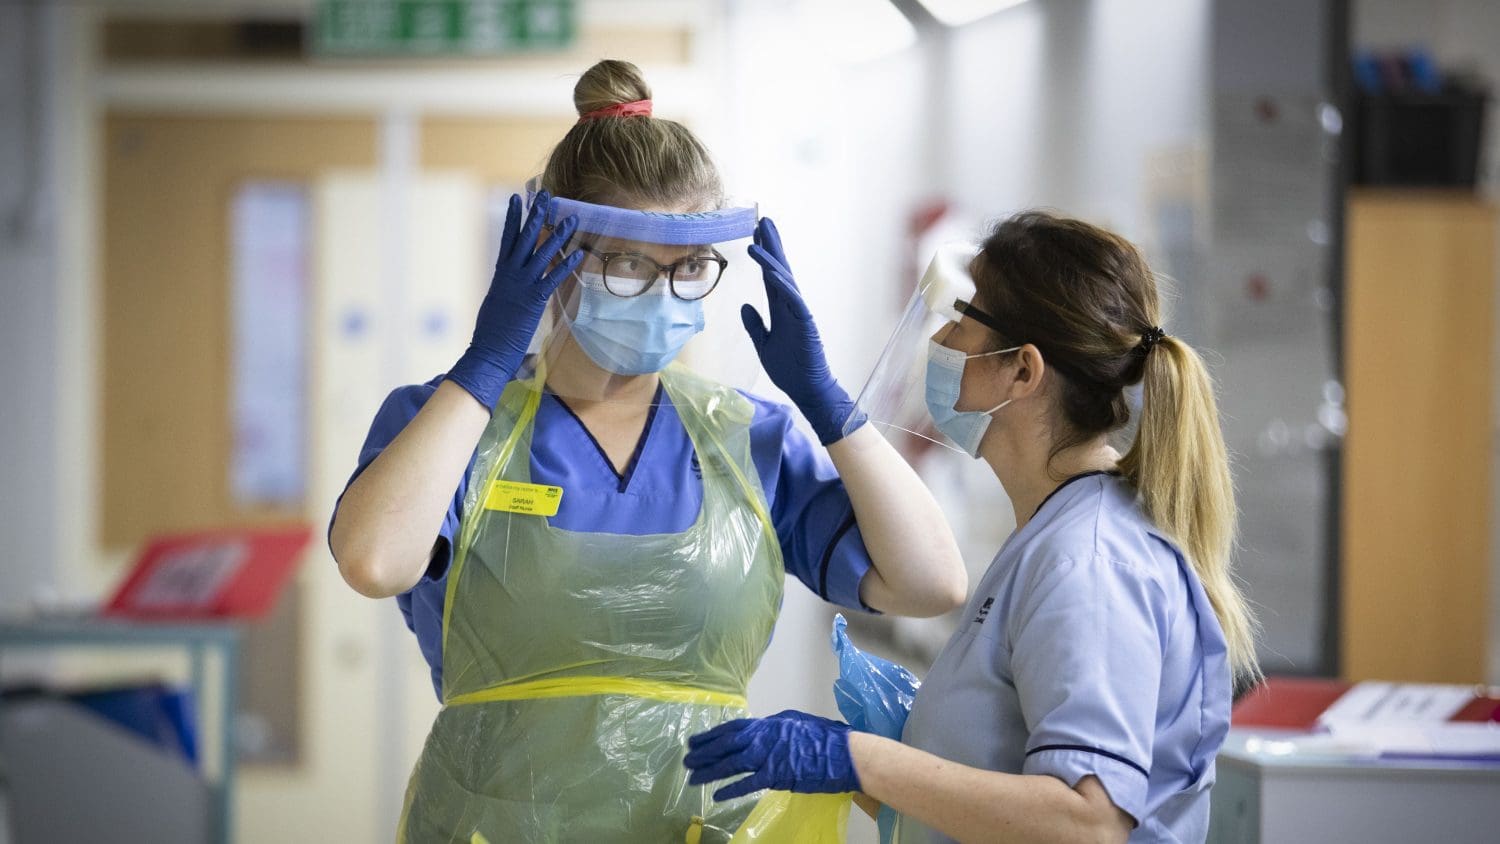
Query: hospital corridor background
point(230, 228)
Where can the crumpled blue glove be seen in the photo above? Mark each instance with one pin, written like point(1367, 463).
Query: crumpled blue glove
point(791, 351)
point(518, 295)
point(788, 751)
point(875, 696)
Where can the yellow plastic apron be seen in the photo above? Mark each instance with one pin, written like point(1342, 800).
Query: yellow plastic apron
point(576, 665)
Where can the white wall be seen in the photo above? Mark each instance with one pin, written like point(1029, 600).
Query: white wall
point(1060, 104)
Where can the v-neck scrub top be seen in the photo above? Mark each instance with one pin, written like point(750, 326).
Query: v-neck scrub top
point(1088, 648)
point(660, 491)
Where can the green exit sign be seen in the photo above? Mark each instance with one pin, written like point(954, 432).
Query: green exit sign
point(443, 27)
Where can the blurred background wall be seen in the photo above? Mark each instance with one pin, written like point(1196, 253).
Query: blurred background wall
point(156, 157)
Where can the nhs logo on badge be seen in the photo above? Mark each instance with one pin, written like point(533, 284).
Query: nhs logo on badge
point(984, 611)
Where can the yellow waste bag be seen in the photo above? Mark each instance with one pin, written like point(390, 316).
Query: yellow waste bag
point(782, 817)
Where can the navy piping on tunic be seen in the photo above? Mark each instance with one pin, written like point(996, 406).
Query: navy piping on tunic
point(1064, 484)
point(838, 536)
point(1084, 749)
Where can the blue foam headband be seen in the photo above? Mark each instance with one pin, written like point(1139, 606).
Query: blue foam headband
point(701, 228)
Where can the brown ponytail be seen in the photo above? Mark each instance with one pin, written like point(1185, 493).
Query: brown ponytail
point(1087, 300)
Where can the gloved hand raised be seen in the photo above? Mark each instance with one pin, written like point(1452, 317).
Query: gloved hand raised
point(518, 295)
point(788, 751)
point(790, 350)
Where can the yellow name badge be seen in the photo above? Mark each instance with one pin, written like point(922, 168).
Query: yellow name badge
point(530, 499)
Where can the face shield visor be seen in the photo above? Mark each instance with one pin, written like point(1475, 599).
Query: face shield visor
point(895, 399)
point(651, 285)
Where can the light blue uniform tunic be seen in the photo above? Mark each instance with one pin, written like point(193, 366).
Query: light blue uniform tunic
point(1088, 648)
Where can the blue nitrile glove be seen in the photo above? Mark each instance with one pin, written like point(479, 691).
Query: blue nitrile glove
point(790, 350)
point(874, 694)
point(518, 295)
point(788, 751)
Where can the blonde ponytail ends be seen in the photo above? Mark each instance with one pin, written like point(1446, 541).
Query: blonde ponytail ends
point(1180, 468)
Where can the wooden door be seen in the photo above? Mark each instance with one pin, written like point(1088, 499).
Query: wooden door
point(1417, 473)
point(168, 185)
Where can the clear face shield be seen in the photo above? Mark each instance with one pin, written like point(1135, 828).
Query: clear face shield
point(896, 397)
point(651, 285)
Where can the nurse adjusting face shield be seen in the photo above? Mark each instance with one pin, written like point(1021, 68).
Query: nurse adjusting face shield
point(650, 283)
point(588, 657)
point(913, 392)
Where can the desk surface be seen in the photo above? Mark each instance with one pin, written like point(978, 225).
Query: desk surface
point(97, 631)
point(1291, 751)
point(201, 639)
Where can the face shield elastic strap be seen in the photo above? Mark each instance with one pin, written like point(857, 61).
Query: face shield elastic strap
point(994, 325)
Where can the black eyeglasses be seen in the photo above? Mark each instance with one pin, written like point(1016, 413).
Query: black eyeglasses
point(1054, 360)
point(629, 274)
point(978, 316)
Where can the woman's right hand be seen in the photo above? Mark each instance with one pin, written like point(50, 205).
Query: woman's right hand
point(518, 296)
point(385, 530)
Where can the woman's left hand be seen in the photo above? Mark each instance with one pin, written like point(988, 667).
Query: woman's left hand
point(788, 751)
point(791, 350)
point(917, 568)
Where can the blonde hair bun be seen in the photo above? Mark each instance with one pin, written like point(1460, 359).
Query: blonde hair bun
point(638, 162)
point(609, 83)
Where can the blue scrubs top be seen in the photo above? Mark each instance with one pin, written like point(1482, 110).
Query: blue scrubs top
point(1088, 648)
point(661, 491)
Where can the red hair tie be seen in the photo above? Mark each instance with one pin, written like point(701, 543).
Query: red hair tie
point(639, 108)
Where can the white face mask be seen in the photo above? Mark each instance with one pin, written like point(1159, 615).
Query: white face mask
point(945, 375)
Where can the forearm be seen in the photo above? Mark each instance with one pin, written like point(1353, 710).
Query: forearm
point(388, 520)
point(917, 567)
point(970, 804)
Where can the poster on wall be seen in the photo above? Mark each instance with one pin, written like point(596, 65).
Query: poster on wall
point(270, 236)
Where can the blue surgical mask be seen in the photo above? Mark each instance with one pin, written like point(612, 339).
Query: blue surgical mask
point(945, 377)
point(636, 335)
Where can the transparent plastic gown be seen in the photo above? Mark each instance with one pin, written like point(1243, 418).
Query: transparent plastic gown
point(576, 665)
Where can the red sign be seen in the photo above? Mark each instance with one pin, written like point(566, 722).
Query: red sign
point(220, 574)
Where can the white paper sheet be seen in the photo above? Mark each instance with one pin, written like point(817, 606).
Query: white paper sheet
point(1397, 704)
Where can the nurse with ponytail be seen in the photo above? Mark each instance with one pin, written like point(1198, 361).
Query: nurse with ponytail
point(1087, 689)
